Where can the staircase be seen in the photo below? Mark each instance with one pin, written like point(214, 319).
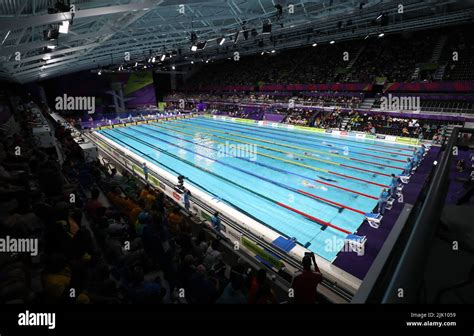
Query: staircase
point(438, 49)
point(439, 74)
point(344, 122)
point(449, 130)
point(284, 120)
point(416, 73)
point(352, 62)
point(367, 103)
point(313, 118)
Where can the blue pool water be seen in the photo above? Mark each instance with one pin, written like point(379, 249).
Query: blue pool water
point(291, 180)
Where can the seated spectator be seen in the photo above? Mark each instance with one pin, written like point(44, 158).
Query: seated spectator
point(175, 220)
point(56, 278)
point(260, 291)
point(93, 204)
point(213, 255)
point(232, 293)
point(133, 217)
point(202, 290)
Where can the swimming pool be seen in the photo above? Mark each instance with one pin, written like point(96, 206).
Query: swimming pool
point(313, 187)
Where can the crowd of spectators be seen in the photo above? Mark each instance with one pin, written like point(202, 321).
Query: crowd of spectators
point(304, 65)
point(299, 116)
point(395, 58)
point(461, 67)
point(247, 113)
point(384, 123)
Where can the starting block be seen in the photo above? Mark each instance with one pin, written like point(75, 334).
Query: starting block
point(405, 178)
point(373, 219)
point(389, 204)
point(355, 243)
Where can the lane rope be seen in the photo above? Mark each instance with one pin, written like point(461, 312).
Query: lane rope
point(312, 218)
point(189, 122)
point(306, 135)
point(313, 196)
point(279, 132)
point(264, 165)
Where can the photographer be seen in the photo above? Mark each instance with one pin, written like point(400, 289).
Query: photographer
point(305, 284)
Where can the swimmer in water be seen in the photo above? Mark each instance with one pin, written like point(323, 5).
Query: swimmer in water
point(326, 179)
point(311, 154)
point(333, 151)
point(310, 185)
point(291, 156)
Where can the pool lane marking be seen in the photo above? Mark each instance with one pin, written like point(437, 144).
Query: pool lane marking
point(289, 146)
point(308, 137)
point(319, 143)
point(312, 218)
point(313, 196)
point(303, 134)
point(344, 165)
point(276, 131)
point(270, 156)
point(315, 159)
point(288, 152)
point(320, 169)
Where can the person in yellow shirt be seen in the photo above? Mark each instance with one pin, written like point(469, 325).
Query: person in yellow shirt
point(55, 278)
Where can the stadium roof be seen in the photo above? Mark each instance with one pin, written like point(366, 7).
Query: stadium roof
point(101, 32)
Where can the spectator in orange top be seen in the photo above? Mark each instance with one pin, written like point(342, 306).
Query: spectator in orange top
point(125, 205)
point(136, 211)
point(150, 200)
point(145, 192)
point(175, 220)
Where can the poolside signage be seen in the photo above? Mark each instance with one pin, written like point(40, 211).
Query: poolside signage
point(176, 196)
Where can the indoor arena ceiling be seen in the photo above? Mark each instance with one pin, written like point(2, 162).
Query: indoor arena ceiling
point(101, 32)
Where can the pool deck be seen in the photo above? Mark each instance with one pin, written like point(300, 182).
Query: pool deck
point(359, 265)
